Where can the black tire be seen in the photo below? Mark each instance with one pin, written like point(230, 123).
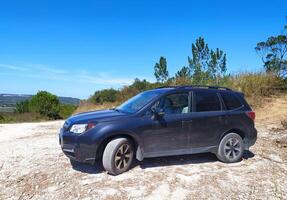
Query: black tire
point(230, 148)
point(74, 162)
point(118, 156)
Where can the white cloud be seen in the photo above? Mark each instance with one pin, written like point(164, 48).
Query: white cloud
point(47, 69)
point(39, 71)
point(13, 67)
point(104, 79)
point(33, 67)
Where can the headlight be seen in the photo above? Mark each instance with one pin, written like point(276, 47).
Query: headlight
point(81, 128)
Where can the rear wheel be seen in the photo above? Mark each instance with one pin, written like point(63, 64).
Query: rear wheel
point(230, 148)
point(118, 156)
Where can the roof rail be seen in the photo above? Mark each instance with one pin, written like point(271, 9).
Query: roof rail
point(169, 86)
point(211, 87)
point(197, 86)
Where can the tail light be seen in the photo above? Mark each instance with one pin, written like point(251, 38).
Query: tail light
point(251, 115)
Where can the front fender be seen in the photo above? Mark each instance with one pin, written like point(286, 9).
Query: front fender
point(103, 132)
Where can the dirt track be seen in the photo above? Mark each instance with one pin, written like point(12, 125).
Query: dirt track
point(32, 166)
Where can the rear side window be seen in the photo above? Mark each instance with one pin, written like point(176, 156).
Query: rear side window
point(231, 101)
point(206, 101)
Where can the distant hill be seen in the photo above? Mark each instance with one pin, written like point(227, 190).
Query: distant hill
point(8, 101)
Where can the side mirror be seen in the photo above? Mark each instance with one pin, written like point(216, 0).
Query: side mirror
point(160, 113)
point(157, 113)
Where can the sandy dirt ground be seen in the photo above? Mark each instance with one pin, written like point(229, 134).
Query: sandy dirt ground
point(32, 166)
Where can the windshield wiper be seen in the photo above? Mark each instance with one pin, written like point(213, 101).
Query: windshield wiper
point(115, 109)
point(121, 111)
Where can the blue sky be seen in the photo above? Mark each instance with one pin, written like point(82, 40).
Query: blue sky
point(73, 48)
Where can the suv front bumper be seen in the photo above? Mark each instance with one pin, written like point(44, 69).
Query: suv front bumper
point(75, 150)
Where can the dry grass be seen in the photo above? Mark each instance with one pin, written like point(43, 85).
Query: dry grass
point(86, 106)
point(21, 117)
point(256, 86)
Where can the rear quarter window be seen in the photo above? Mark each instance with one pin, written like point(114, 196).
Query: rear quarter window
point(231, 101)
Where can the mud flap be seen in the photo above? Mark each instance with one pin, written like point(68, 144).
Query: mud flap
point(246, 144)
point(139, 154)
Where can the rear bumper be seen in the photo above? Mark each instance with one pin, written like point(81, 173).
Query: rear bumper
point(75, 150)
point(250, 141)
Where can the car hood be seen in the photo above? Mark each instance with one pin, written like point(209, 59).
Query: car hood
point(96, 116)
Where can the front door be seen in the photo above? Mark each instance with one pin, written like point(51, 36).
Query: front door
point(168, 134)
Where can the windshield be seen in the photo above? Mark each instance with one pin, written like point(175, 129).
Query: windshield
point(137, 102)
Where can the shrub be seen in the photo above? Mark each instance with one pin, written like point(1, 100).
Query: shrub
point(21, 117)
point(126, 93)
point(5, 118)
point(182, 81)
point(106, 95)
point(22, 107)
point(66, 110)
point(255, 84)
point(2, 119)
point(46, 104)
point(141, 85)
point(43, 105)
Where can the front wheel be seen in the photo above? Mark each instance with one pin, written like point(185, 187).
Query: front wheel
point(118, 156)
point(231, 148)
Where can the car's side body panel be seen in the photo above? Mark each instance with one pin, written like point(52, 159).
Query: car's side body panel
point(163, 135)
point(205, 128)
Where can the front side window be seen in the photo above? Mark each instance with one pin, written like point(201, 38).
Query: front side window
point(137, 102)
point(175, 104)
point(206, 101)
point(231, 101)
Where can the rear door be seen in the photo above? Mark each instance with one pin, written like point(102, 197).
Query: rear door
point(207, 119)
point(235, 117)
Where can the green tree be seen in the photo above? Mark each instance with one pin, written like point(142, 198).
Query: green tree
point(273, 53)
point(182, 77)
point(198, 62)
point(140, 85)
point(45, 104)
point(217, 64)
point(206, 64)
point(22, 107)
point(106, 95)
point(184, 72)
point(160, 70)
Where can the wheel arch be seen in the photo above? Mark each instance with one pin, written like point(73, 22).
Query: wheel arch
point(234, 130)
point(135, 143)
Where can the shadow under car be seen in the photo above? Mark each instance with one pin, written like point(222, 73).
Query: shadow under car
point(157, 162)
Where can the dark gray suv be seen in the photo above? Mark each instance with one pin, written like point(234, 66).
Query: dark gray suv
point(162, 122)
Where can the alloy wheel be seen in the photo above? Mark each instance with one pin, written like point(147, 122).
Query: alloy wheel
point(123, 156)
point(232, 148)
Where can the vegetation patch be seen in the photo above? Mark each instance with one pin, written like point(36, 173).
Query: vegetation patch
point(41, 107)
